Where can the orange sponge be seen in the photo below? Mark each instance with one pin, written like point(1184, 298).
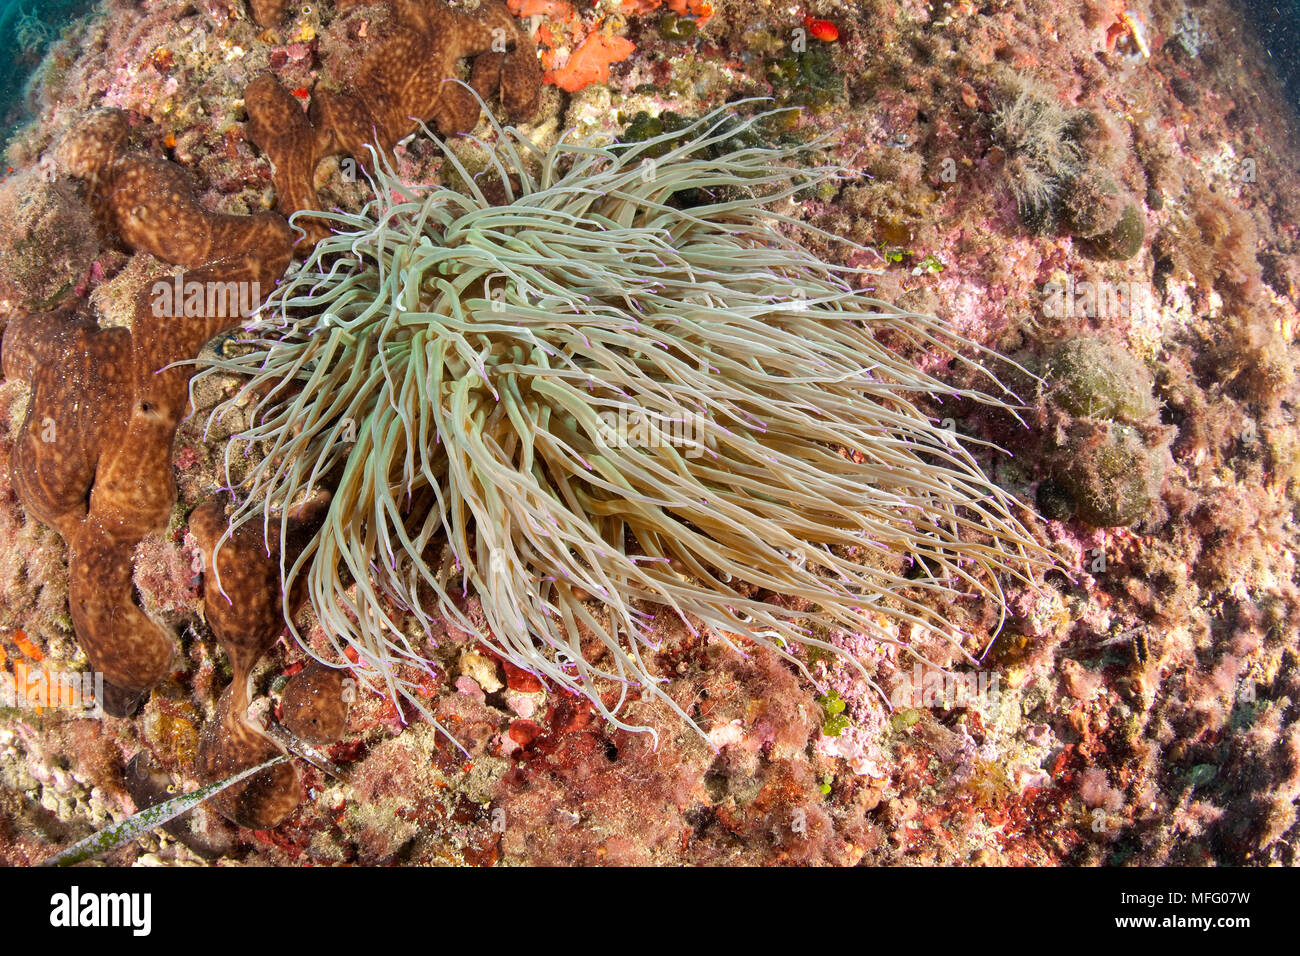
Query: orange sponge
point(590, 62)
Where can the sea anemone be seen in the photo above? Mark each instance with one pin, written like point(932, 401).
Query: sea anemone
point(584, 398)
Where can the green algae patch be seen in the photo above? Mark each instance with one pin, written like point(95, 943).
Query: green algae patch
point(1125, 240)
point(1093, 378)
point(1112, 476)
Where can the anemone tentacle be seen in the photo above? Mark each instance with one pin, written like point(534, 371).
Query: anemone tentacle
point(589, 400)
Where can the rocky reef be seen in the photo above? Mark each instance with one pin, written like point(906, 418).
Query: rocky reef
point(1105, 194)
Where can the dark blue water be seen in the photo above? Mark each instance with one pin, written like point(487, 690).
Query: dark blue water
point(27, 27)
point(1277, 22)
